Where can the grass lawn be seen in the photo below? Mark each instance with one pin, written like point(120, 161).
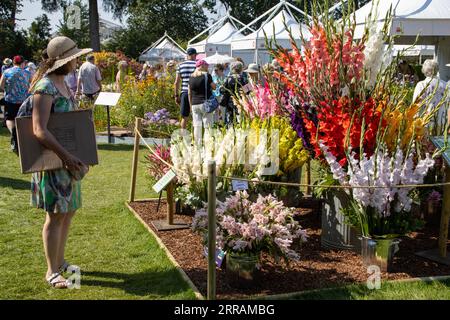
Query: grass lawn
point(411, 290)
point(119, 259)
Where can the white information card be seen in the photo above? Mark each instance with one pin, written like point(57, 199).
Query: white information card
point(239, 185)
point(164, 181)
point(107, 99)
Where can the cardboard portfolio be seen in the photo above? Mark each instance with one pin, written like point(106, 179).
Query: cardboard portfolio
point(75, 131)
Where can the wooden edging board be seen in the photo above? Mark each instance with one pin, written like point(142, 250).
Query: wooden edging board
point(293, 294)
point(169, 255)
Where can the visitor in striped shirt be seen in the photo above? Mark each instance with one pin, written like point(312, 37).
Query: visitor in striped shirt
point(184, 71)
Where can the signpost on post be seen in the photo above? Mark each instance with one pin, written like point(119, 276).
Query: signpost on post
point(108, 99)
point(166, 182)
point(440, 254)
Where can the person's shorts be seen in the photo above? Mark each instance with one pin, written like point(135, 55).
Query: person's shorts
point(184, 104)
point(11, 110)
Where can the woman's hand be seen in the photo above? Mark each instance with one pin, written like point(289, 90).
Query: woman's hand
point(72, 163)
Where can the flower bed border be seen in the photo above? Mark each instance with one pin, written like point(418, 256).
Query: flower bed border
point(254, 297)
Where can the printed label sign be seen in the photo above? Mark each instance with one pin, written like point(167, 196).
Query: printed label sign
point(239, 185)
point(107, 99)
point(164, 181)
point(220, 255)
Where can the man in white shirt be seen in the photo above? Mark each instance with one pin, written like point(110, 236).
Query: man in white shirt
point(432, 90)
point(89, 78)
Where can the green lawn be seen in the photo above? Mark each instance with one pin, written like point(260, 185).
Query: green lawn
point(415, 290)
point(118, 257)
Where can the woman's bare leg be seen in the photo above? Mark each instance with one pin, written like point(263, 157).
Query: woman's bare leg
point(64, 233)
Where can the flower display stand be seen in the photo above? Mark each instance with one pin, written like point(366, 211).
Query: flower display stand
point(336, 234)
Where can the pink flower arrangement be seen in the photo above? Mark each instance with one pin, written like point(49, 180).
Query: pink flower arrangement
point(263, 103)
point(244, 226)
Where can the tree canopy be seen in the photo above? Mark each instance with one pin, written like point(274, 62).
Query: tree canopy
point(149, 20)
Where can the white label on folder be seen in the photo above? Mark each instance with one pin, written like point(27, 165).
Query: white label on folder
point(107, 99)
point(239, 185)
point(164, 181)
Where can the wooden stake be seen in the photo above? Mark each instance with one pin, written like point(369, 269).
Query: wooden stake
point(308, 177)
point(211, 230)
point(170, 203)
point(137, 140)
point(445, 216)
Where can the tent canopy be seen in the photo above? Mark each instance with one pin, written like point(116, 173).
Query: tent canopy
point(219, 39)
point(414, 51)
point(410, 17)
point(163, 49)
point(274, 29)
point(430, 19)
point(278, 22)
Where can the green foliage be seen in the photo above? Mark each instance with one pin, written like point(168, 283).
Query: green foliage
point(39, 35)
point(148, 20)
point(140, 97)
point(81, 35)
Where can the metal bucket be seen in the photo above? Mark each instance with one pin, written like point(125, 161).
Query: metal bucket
point(336, 234)
point(379, 252)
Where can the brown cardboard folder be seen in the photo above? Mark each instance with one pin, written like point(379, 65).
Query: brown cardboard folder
point(74, 130)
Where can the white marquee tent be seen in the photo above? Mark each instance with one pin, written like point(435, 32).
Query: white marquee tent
point(219, 39)
point(164, 49)
point(428, 18)
point(252, 48)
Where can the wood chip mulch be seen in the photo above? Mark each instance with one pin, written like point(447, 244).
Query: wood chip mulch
point(318, 267)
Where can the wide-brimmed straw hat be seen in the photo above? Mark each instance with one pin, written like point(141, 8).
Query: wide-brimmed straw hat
point(7, 61)
point(63, 50)
point(252, 68)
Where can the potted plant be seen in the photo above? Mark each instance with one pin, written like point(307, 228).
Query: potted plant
point(245, 229)
point(379, 198)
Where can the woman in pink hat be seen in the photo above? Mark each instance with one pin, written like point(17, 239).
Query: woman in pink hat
point(201, 88)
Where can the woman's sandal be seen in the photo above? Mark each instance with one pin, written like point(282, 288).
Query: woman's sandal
point(65, 266)
point(55, 281)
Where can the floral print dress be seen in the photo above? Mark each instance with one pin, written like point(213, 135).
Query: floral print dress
point(55, 191)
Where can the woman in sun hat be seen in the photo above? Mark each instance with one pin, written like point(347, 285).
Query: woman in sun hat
point(253, 72)
point(58, 192)
point(7, 63)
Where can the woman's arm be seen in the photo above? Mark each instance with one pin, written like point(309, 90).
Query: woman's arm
point(190, 95)
point(42, 105)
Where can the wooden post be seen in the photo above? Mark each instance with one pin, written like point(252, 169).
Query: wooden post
point(211, 230)
point(445, 216)
point(108, 117)
point(308, 177)
point(170, 203)
point(137, 140)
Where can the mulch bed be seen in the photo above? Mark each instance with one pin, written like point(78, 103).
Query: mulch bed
point(318, 267)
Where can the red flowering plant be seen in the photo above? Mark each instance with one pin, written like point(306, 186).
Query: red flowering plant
point(155, 167)
point(329, 77)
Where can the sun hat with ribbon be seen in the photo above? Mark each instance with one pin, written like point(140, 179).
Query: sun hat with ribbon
point(63, 50)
